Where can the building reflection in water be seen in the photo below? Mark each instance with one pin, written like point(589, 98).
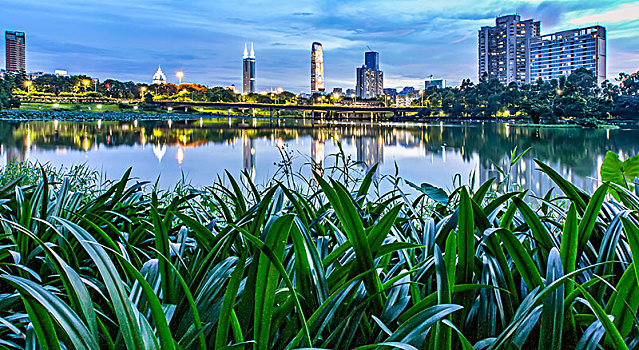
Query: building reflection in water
point(318, 155)
point(248, 155)
point(419, 150)
point(370, 151)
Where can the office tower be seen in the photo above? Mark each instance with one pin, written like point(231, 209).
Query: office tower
point(370, 80)
point(439, 83)
point(248, 71)
point(15, 54)
point(504, 50)
point(371, 60)
point(317, 68)
point(557, 54)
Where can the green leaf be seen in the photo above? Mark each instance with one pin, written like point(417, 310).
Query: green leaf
point(552, 316)
point(465, 239)
point(522, 259)
point(74, 328)
point(621, 173)
point(435, 193)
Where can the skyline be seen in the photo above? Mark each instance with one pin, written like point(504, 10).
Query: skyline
point(205, 40)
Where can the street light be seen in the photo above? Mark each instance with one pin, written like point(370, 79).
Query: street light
point(86, 83)
point(28, 84)
point(142, 90)
point(421, 92)
point(180, 75)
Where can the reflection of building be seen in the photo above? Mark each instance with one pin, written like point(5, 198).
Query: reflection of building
point(370, 80)
point(248, 71)
point(159, 78)
point(248, 155)
point(317, 68)
point(504, 50)
point(558, 54)
point(317, 155)
point(370, 151)
point(15, 54)
point(159, 152)
point(10, 154)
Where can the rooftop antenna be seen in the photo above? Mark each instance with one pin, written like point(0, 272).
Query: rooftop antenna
point(369, 48)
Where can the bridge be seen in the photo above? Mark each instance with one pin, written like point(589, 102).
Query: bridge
point(322, 110)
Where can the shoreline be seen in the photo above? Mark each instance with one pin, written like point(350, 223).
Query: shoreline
point(21, 115)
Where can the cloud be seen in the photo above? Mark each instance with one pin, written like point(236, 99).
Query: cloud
point(127, 40)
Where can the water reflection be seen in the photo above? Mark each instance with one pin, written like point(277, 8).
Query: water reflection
point(205, 147)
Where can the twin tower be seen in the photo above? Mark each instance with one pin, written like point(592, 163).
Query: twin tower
point(317, 69)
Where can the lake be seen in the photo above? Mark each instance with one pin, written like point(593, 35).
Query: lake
point(200, 149)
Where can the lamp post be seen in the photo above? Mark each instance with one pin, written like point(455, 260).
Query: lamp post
point(422, 93)
point(179, 75)
point(353, 96)
point(28, 84)
point(142, 90)
point(86, 83)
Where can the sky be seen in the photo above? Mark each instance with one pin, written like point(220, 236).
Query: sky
point(127, 40)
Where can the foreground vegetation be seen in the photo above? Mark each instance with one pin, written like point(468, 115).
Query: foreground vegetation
point(327, 262)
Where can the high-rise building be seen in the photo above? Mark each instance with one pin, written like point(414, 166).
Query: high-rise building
point(391, 93)
point(317, 68)
point(371, 60)
point(248, 70)
point(439, 83)
point(370, 79)
point(504, 50)
point(15, 54)
point(557, 54)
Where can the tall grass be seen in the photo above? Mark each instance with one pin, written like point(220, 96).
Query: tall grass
point(329, 265)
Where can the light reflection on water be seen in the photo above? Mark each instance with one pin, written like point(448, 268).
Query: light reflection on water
point(202, 149)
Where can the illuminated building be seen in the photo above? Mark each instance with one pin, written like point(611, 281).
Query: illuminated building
point(248, 71)
point(248, 155)
point(438, 83)
point(15, 52)
point(558, 54)
point(317, 68)
point(370, 80)
point(504, 50)
point(159, 78)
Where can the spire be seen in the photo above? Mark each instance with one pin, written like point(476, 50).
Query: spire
point(245, 51)
point(252, 52)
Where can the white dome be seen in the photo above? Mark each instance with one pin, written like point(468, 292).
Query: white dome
point(159, 77)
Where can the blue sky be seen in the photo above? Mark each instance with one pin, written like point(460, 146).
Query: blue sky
point(127, 40)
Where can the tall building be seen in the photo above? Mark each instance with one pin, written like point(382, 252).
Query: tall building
point(391, 93)
point(317, 68)
point(371, 60)
point(15, 59)
point(504, 50)
point(248, 70)
point(439, 83)
point(159, 78)
point(557, 54)
point(370, 80)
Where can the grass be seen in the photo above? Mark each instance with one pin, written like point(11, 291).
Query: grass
point(332, 264)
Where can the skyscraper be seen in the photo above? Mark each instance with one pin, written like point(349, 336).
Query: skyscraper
point(317, 68)
point(371, 60)
point(504, 50)
point(248, 70)
point(557, 54)
point(370, 80)
point(15, 55)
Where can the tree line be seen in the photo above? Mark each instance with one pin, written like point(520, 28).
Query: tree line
point(574, 96)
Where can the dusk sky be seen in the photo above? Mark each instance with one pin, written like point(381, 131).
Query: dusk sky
point(127, 40)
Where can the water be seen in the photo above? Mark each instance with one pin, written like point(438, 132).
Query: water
point(199, 150)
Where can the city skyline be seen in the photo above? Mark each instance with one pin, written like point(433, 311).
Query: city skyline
point(438, 39)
